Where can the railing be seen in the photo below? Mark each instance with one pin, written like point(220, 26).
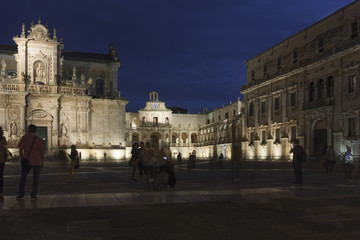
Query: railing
point(72, 90)
point(318, 103)
point(14, 87)
point(42, 89)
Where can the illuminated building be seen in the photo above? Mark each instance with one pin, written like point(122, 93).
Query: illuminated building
point(72, 97)
point(208, 133)
point(306, 87)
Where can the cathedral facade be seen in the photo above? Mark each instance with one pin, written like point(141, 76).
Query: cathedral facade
point(307, 88)
point(71, 97)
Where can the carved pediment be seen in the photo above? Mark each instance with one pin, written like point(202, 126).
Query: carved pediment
point(39, 115)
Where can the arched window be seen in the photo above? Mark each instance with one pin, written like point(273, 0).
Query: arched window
point(99, 87)
point(143, 122)
point(330, 87)
point(320, 89)
point(251, 109)
point(311, 92)
point(166, 121)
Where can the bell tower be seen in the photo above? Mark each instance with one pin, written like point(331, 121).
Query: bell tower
point(38, 57)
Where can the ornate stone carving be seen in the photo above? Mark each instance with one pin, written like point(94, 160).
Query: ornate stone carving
point(13, 129)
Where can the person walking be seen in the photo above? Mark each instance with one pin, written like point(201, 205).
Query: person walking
point(330, 157)
point(74, 157)
point(31, 147)
point(2, 162)
point(299, 156)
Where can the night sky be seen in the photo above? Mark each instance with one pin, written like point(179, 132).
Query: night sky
point(192, 52)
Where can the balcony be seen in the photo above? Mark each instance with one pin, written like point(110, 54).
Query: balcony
point(13, 87)
point(318, 103)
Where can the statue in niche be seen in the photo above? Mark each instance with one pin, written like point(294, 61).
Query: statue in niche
point(64, 131)
point(40, 72)
point(13, 129)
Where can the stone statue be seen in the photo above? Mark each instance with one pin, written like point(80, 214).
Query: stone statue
point(40, 72)
point(63, 131)
point(74, 76)
point(3, 67)
point(22, 30)
point(83, 82)
point(13, 129)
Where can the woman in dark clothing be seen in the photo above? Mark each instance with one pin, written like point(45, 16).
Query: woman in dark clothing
point(74, 156)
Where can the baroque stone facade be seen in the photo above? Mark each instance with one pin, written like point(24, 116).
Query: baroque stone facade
point(306, 87)
point(72, 97)
point(208, 134)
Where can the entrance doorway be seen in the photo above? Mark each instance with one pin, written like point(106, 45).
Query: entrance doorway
point(320, 138)
point(42, 132)
point(155, 139)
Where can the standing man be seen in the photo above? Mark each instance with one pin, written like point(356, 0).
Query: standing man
point(31, 147)
point(299, 156)
point(179, 160)
point(330, 158)
point(220, 162)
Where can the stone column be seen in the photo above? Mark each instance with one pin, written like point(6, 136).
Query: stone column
point(22, 126)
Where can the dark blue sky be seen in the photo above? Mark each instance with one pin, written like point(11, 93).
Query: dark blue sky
point(191, 51)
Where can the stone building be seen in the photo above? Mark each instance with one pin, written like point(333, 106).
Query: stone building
point(207, 134)
point(221, 133)
point(72, 97)
point(306, 87)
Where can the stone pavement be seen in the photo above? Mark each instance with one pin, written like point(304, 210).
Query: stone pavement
point(205, 204)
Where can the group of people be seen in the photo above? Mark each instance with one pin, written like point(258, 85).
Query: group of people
point(32, 154)
point(155, 166)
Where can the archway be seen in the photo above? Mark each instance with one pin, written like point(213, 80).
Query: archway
point(155, 138)
point(320, 136)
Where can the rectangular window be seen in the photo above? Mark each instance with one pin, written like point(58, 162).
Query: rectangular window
point(265, 69)
point(277, 135)
point(99, 87)
point(292, 99)
point(263, 137)
point(277, 103)
point(155, 121)
point(354, 29)
point(252, 138)
point(252, 75)
point(321, 45)
point(352, 83)
point(293, 133)
point(226, 115)
point(208, 121)
point(351, 127)
point(234, 112)
point(279, 63)
point(263, 107)
point(251, 109)
point(295, 56)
